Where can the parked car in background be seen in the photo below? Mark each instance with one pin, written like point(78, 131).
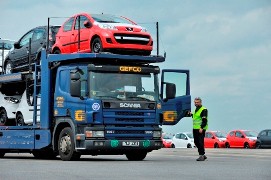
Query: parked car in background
point(102, 33)
point(17, 58)
point(183, 140)
point(214, 139)
point(264, 139)
point(167, 140)
point(241, 139)
point(5, 46)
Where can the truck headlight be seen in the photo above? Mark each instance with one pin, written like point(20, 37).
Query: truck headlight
point(157, 134)
point(94, 134)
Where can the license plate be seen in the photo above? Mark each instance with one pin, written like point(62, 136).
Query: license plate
point(130, 143)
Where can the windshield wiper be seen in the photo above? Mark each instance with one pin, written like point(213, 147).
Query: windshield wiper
point(113, 97)
point(139, 97)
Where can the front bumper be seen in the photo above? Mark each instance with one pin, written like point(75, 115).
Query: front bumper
point(105, 146)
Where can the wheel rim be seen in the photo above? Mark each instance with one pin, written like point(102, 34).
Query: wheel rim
point(20, 121)
point(65, 144)
point(8, 68)
point(96, 47)
point(2, 118)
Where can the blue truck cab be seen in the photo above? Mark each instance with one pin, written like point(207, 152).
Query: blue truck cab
point(97, 104)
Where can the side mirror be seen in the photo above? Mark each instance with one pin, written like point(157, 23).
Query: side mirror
point(170, 91)
point(186, 138)
point(87, 24)
point(213, 137)
point(242, 136)
point(75, 84)
point(16, 45)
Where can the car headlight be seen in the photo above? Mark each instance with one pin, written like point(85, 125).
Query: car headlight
point(144, 30)
point(107, 26)
point(157, 134)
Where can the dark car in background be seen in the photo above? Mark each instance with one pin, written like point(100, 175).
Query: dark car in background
point(17, 59)
point(264, 139)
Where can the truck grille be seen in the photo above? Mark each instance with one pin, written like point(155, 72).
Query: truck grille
point(129, 113)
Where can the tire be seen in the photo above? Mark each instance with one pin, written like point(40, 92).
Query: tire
point(216, 145)
point(96, 45)
point(57, 51)
point(258, 145)
point(246, 146)
point(66, 146)
point(189, 146)
point(8, 67)
point(3, 117)
point(172, 146)
point(136, 155)
point(20, 120)
point(227, 145)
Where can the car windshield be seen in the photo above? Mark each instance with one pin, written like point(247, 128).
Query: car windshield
point(122, 86)
point(167, 136)
point(250, 133)
point(6, 45)
point(104, 18)
point(220, 135)
point(190, 135)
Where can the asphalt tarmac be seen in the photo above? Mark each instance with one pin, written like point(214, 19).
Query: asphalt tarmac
point(162, 164)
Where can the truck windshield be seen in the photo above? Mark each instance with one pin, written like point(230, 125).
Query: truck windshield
point(122, 86)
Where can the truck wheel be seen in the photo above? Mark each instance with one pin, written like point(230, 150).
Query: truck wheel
point(136, 155)
point(3, 117)
point(20, 120)
point(8, 67)
point(66, 145)
point(96, 45)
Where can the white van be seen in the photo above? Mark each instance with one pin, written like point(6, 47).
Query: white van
point(5, 46)
point(24, 112)
point(8, 107)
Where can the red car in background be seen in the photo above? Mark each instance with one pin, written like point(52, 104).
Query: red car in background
point(241, 139)
point(167, 140)
point(102, 33)
point(214, 139)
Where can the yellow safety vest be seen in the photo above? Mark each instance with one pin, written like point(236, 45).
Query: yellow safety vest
point(197, 120)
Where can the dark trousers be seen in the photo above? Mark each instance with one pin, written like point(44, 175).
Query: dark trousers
point(199, 140)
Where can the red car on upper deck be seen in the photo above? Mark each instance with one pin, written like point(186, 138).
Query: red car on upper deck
point(102, 33)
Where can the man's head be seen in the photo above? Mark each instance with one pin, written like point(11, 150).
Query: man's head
point(198, 102)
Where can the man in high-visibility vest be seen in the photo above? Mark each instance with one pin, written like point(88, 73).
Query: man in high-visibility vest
point(200, 125)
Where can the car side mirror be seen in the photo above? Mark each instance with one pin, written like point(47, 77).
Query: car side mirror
point(213, 137)
point(170, 90)
point(242, 136)
point(87, 24)
point(16, 45)
point(186, 138)
point(75, 84)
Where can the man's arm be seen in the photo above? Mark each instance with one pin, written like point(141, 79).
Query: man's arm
point(204, 115)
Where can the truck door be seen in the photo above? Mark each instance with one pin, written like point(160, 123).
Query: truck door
point(175, 94)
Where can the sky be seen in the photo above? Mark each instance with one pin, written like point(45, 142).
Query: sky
point(225, 44)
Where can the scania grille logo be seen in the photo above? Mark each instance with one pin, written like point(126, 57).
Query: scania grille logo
point(129, 29)
point(130, 105)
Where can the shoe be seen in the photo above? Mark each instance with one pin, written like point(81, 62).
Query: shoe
point(205, 157)
point(201, 158)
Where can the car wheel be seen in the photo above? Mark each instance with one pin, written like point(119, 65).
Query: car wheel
point(96, 45)
point(216, 145)
point(57, 51)
point(258, 145)
point(8, 67)
point(172, 146)
point(20, 120)
point(227, 145)
point(246, 146)
point(189, 146)
point(3, 117)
